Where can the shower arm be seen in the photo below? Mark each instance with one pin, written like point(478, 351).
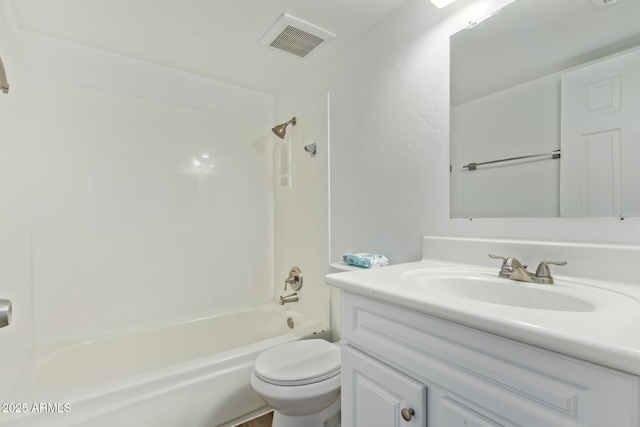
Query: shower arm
point(4, 84)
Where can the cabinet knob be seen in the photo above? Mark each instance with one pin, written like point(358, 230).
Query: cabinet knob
point(407, 413)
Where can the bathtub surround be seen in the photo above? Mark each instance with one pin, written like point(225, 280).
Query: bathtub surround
point(301, 222)
point(136, 192)
point(150, 210)
point(14, 244)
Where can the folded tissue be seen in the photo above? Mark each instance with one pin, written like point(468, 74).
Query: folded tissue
point(365, 260)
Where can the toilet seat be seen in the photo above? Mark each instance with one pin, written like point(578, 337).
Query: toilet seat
point(298, 363)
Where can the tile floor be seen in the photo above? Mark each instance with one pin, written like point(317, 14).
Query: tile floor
point(263, 421)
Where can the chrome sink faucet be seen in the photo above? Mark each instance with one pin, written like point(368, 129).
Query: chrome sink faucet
point(513, 269)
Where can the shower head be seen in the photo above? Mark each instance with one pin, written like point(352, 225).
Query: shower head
point(4, 84)
point(280, 130)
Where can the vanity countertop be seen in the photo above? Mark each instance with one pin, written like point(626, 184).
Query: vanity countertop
point(607, 335)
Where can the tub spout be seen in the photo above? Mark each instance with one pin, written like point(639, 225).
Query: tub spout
point(289, 298)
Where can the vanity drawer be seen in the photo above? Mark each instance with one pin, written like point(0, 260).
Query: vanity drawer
point(512, 379)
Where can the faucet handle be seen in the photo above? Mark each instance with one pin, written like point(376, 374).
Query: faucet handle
point(511, 265)
point(508, 261)
point(505, 269)
point(289, 281)
point(543, 269)
point(5, 312)
point(503, 258)
point(294, 279)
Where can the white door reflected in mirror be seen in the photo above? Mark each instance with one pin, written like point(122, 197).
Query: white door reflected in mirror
point(601, 138)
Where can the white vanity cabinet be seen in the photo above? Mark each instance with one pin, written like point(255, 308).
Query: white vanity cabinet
point(380, 396)
point(447, 375)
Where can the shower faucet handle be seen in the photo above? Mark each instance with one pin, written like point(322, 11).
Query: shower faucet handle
point(4, 84)
point(289, 281)
point(294, 279)
point(5, 312)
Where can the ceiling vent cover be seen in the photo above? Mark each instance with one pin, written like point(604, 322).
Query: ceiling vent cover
point(295, 36)
point(601, 4)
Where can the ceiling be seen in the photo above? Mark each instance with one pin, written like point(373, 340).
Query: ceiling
point(212, 38)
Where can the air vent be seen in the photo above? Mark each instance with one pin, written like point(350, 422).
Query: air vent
point(602, 4)
point(295, 36)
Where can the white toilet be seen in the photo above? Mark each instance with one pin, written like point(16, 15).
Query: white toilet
point(300, 380)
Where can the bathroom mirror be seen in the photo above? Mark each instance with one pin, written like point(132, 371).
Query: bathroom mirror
point(558, 81)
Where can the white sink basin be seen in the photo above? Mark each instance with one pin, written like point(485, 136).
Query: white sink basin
point(487, 288)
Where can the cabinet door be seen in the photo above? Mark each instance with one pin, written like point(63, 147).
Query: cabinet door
point(375, 395)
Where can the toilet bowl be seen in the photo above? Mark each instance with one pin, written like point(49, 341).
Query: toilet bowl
point(300, 380)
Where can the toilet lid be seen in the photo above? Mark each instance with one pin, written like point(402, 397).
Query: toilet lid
point(298, 363)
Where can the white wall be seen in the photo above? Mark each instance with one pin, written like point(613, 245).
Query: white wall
point(109, 224)
point(389, 177)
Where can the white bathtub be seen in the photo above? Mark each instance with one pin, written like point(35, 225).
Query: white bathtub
point(194, 373)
